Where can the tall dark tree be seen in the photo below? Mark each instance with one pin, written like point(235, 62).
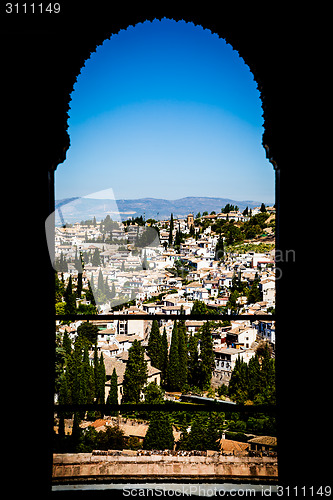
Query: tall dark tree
point(66, 344)
point(69, 296)
point(193, 365)
point(219, 249)
point(88, 331)
point(136, 374)
point(154, 347)
point(113, 291)
point(199, 307)
point(79, 286)
point(207, 356)
point(173, 379)
point(254, 294)
point(182, 353)
point(238, 383)
point(76, 432)
point(145, 262)
point(204, 434)
point(171, 230)
point(112, 398)
point(59, 288)
point(96, 261)
point(100, 377)
point(159, 435)
point(164, 356)
point(90, 292)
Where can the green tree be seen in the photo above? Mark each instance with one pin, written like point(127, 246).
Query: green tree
point(154, 347)
point(100, 379)
point(164, 355)
point(182, 353)
point(66, 344)
point(254, 295)
point(59, 288)
point(96, 261)
point(254, 378)
point(90, 293)
point(204, 433)
point(173, 376)
point(112, 398)
point(136, 374)
point(88, 331)
point(159, 435)
point(171, 230)
point(193, 362)
point(207, 356)
point(70, 299)
point(199, 307)
point(219, 249)
point(153, 394)
point(238, 384)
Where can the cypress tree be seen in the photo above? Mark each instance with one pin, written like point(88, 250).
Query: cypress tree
point(79, 286)
point(154, 347)
point(76, 432)
point(159, 435)
point(164, 355)
point(84, 376)
point(207, 356)
point(182, 353)
point(101, 380)
point(136, 374)
point(219, 249)
point(65, 393)
point(193, 365)
point(67, 345)
point(254, 378)
point(75, 371)
point(96, 382)
point(196, 438)
point(237, 388)
point(173, 376)
point(145, 262)
point(171, 230)
point(112, 398)
point(96, 261)
point(69, 297)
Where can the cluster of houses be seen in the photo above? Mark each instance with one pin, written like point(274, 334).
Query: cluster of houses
point(147, 274)
point(115, 338)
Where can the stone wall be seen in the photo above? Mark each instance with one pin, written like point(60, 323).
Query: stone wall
point(125, 465)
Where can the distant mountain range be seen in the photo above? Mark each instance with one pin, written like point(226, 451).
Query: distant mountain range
point(77, 209)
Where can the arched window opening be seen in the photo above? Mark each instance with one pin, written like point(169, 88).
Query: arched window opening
point(165, 228)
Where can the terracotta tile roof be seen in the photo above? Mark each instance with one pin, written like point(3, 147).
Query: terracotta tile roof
point(264, 440)
point(230, 445)
point(98, 423)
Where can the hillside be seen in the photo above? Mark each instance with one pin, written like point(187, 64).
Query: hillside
point(77, 209)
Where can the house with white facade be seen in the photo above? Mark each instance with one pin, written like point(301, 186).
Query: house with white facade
point(225, 359)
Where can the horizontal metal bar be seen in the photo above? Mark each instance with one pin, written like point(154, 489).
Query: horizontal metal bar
point(150, 317)
point(169, 407)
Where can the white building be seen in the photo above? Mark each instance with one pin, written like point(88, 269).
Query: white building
point(225, 359)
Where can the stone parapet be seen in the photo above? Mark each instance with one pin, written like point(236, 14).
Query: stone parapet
point(92, 466)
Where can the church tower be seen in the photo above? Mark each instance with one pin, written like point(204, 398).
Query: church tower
point(190, 221)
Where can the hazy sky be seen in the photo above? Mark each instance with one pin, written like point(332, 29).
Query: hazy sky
point(166, 109)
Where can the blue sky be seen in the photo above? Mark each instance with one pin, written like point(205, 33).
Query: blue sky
point(166, 109)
